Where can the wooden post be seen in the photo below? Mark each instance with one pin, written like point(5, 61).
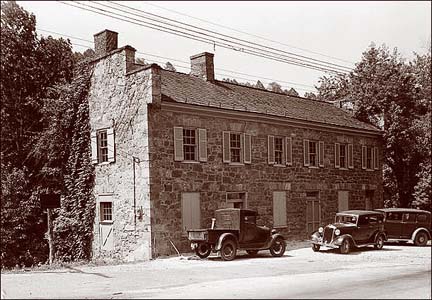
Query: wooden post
point(49, 233)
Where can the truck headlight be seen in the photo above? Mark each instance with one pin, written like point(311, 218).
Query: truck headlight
point(320, 230)
point(337, 232)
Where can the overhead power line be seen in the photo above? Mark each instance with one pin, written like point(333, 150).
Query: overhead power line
point(232, 45)
point(188, 63)
point(248, 33)
point(291, 54)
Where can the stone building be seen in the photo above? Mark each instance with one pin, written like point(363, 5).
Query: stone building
point(170, 148)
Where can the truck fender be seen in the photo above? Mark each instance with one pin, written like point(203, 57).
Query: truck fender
point(223, 237)
point(275, 236)
point(338, 241)
point(418, 230)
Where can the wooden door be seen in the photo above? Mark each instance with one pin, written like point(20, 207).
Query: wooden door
point(343, 201)
point(191, 211)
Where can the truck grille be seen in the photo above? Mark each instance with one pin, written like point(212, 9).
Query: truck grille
point(197, 235)
point(328, 234)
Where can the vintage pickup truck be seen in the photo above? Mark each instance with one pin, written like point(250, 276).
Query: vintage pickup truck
point(235, 229)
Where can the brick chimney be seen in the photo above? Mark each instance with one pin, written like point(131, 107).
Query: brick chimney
point(202, 66)
point(105, 42)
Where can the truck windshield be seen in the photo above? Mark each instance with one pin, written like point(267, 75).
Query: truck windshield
point(346, 219)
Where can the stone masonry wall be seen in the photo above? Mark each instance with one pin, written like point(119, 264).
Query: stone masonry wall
point(212, 179)
point(119, 99)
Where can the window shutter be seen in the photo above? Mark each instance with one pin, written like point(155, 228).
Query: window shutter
point(94, 147)
point(111, 144)
point(242, 148)
point(306, 152)
point(178, 144)
point(288, 150)
point(364, 157)
point(321, 153)
point(337, 155)
point(283, 152)
point(202, 144)
point(350, 156)
point(247, 149)
point(226, 147)
point(270, 148)
point(376, 158)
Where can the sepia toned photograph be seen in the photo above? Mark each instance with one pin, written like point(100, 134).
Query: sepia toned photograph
point(216, 150)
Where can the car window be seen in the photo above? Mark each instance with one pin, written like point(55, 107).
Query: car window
point(250, 219)
point(363, 220)
point(373, 220)
point(409, 217)
point(421, 218)
point(346, 219)
point(394, 216)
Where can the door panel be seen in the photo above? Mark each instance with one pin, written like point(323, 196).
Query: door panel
point(342, 201)
point(106, 236)
point(191, 211)
point(393, 225)
point(409, 225)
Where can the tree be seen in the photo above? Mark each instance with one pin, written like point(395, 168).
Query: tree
point(382, 89)
point(259, 85)
point(30, 68)
point(291, 92)
point(169, 67)
point(310, 95)
point(275, 87)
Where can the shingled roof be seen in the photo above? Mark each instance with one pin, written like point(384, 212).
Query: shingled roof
point(184, 88)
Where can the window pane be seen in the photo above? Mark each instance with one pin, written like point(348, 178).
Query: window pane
point(106, 211)
point(189, 144)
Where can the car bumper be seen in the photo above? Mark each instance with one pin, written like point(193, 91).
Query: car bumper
point(333, 244)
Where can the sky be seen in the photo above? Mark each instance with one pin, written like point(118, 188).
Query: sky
point(333, 31)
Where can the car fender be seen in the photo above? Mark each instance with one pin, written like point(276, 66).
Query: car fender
point(418, 230)
point(275, 236)
point(223, 237)
point(338, 241)
point(316, 236)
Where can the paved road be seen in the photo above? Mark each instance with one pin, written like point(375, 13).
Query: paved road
point(394, 272)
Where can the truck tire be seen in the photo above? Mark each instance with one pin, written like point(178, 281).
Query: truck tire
point(203, 250)
point(277, 249)
point(228, 250)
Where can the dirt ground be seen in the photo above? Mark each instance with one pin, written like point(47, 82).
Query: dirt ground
point(397, 271)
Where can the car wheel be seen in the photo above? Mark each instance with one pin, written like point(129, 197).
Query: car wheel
point(228, 250)
point(278, 247)
point(421, 239)
point(345, 247)
point(379, 243)
point(203, 250)
point(316, 247)
point(252, 252)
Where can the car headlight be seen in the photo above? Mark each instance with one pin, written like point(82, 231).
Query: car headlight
point(337, 232)
point(320, 230)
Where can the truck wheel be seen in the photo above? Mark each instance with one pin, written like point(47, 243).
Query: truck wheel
point(379, 243)
point(278, 247)
point(345, 247)
point(421, 239)
point(316, 247)
point(203, 250)
point(228, 250)
point(252, 252)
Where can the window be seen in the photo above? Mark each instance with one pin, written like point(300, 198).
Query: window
point(106, 211)
point(278, 150)
point(370, 159)
point(409, 217)
point(235, 147)
point(421, 218)
point(102, 144)
point(189, 144)
point(236, 200)
point(313, 161)
point(394, 216)
point(344, 156)
point(313, 153)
